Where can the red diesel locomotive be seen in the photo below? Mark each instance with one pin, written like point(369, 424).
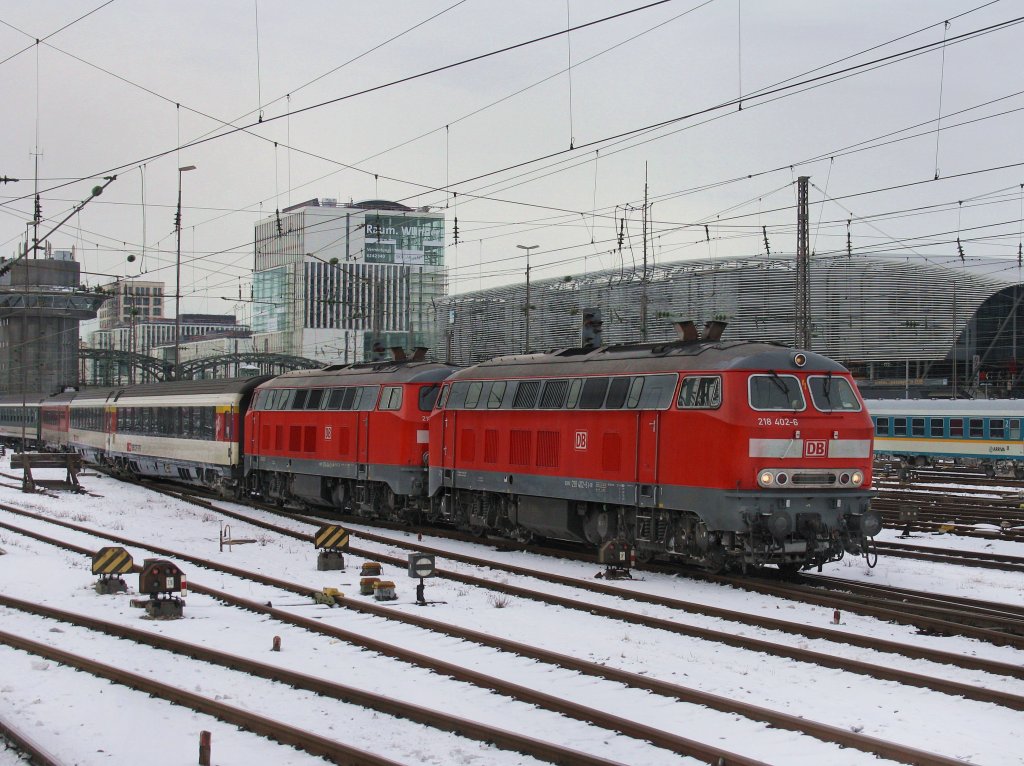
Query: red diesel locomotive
point(722, 454)
point(346, 436)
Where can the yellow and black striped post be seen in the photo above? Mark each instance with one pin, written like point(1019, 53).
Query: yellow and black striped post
point(332, 539)
point(110, 563)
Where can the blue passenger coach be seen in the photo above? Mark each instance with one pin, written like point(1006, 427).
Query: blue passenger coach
point(982, 433)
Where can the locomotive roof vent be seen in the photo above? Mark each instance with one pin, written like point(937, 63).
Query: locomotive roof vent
point(688, 332)
point(399, 353)
point(713, 330)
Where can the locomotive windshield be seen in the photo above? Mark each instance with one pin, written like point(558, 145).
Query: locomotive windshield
point(832, 393)
point(776, 392)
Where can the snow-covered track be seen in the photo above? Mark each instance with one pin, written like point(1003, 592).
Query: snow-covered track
point(708, 753)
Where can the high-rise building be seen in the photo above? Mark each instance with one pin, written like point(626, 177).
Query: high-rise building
point(132, 301)
point(334, 283)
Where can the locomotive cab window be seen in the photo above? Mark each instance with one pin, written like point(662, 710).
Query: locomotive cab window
point(594, 390)
point(700, 392)
point(830, 393)
point(776, 392)
point(496, 394)
point(427, 397)
point(391, 398)
point(473, 394)
point(617, 391)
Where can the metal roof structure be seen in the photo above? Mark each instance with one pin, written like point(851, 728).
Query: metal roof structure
point(864, 309)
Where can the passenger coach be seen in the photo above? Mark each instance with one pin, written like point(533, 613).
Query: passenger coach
point(189, 431)
point(982, 433)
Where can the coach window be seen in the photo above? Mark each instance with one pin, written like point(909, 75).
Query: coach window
point(594, 390)
point(208, 423)
point(997, 428)
point(700, 391)
point(473, 394)
point(956, 427)
point(496, 394)
point(917, 426)
point(314, 399)
point(881, 426)
point(573, 399)
point(830, 393)
point(391, 398)
point(977, 428)
point(1014, 429)
point(553, 397)
point(899, 426)
point(526, 395)
point(937, 427)
point(775, 392)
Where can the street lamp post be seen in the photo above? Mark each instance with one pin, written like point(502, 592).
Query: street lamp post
point(527, 248)
point(177, 279)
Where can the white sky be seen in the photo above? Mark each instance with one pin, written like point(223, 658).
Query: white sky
point(676, 59)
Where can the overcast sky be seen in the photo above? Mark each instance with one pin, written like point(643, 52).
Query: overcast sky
point(489, 140)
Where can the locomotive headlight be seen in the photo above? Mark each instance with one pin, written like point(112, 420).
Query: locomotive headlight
point(766, 478)
point(844, 478)
point(799, 359)
point(857, 478)
point(781, 478)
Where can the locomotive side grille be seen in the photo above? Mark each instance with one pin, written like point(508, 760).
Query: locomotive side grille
point(547, 448)
point(519, 447)
point(491, 445)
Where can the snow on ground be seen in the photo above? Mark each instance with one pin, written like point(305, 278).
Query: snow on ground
point(62, 708)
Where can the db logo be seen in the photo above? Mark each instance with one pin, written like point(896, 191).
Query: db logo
point(581, 440)
point(328, 433)
point(815, 448)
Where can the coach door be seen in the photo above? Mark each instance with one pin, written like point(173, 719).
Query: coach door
point(648, 423)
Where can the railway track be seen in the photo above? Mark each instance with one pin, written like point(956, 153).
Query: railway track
point(301, 739)
point(775, 719)
point(982, 559)
point(35, 753)
point(387, 705)
point(925, 612)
